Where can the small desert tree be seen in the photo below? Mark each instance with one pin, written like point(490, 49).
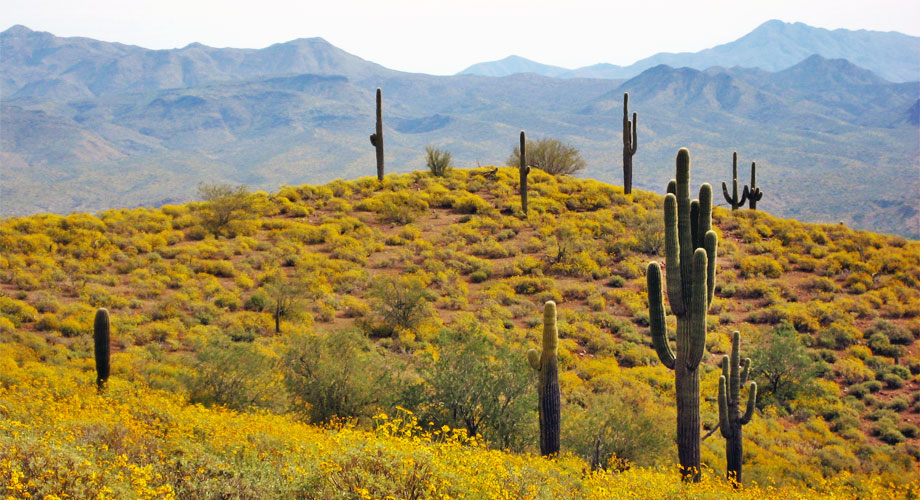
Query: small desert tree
point(782, 367)
point(474, 384)
point(618, 428)
point(339, 374)
point(237, 375)
point(223, 204)
point(438, 160)
point(401, 303)
point(550, 156)
point(286, 294)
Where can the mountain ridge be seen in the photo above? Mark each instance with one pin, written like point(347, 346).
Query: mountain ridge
point(773, 46)
point(277, 129)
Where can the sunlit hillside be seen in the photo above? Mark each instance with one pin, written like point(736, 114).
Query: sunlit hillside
point(254, 355)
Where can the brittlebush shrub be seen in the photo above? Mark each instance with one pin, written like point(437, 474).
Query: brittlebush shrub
point(761, 265)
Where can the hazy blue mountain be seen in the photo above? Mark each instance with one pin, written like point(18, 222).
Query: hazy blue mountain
point(772, 46)
point(42, 66)
point(92, 125)
point(512, 65)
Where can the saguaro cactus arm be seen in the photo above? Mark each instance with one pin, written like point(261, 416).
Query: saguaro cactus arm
point(699, 306)
point(533, 359)
point(656, 316)
point(724, 426)
point(751, 404)
point(673, 255)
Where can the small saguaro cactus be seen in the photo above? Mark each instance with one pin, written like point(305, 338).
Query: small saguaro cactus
point(734, 375)
point(524, 171)
point(377, 136)
point(545, 363)
point(101, 341)
point(629, 144)
point(733, 200)
point(755, 194)
point(690, 247)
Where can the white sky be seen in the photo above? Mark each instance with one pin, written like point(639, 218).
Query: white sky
point(444, 37)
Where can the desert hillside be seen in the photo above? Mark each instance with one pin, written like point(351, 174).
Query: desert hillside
point(305, 345)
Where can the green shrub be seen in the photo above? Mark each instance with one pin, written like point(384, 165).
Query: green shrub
point(881, 346)
point(550, 156)
point(335, 375)
point(437, 160)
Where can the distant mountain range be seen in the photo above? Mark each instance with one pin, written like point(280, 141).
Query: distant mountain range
point(772, 46)
point(88, 125)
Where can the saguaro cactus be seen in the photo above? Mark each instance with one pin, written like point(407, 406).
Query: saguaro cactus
point(755, 194)
point(690, 247)
point(524, 171)
point(102, 339)
point(377, 137)
point(548, 389)
point(733, 200)
point(629, 144)
point(734, 375)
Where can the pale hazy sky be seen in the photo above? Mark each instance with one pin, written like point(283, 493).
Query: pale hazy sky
point(440, 37)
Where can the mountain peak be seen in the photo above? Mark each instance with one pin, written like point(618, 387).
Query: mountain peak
point(511, 65)
point(818, 70)
point(17, 30)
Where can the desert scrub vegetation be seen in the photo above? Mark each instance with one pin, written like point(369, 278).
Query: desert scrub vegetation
point(63, 439)
point(186, 301)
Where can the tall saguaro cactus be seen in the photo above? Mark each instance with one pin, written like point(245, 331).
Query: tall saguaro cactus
point(524, 170)
point(102, 343)
point(690, 247)
point(755, 194)
point(733, 200)
point(545, 363)
point(734, 375)
point(629, 144)
point(377, 136)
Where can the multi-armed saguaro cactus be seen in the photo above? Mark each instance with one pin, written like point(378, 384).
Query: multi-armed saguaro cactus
point(755, 194)
point(629, 144)
point(377, 137)
point(734, 374)
point(524, 170)
point(733, 200)
point(102, 339)
point(545, 364)
point(690, 247)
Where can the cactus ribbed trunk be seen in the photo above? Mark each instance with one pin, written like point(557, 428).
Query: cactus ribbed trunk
point(687, 386)
point(524, 170)
point(102, 347)
point(377, 136)
point(690, 248)
point(546, 365)
point(630, 144)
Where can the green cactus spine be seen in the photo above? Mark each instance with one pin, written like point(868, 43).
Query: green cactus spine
point(755, 194)
point(733, 200)
point(377, 137)
point(630, 144)
point(545, 363)
point(690, 247)
point(102, 343)
point(524, 170)
point(734, 375)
